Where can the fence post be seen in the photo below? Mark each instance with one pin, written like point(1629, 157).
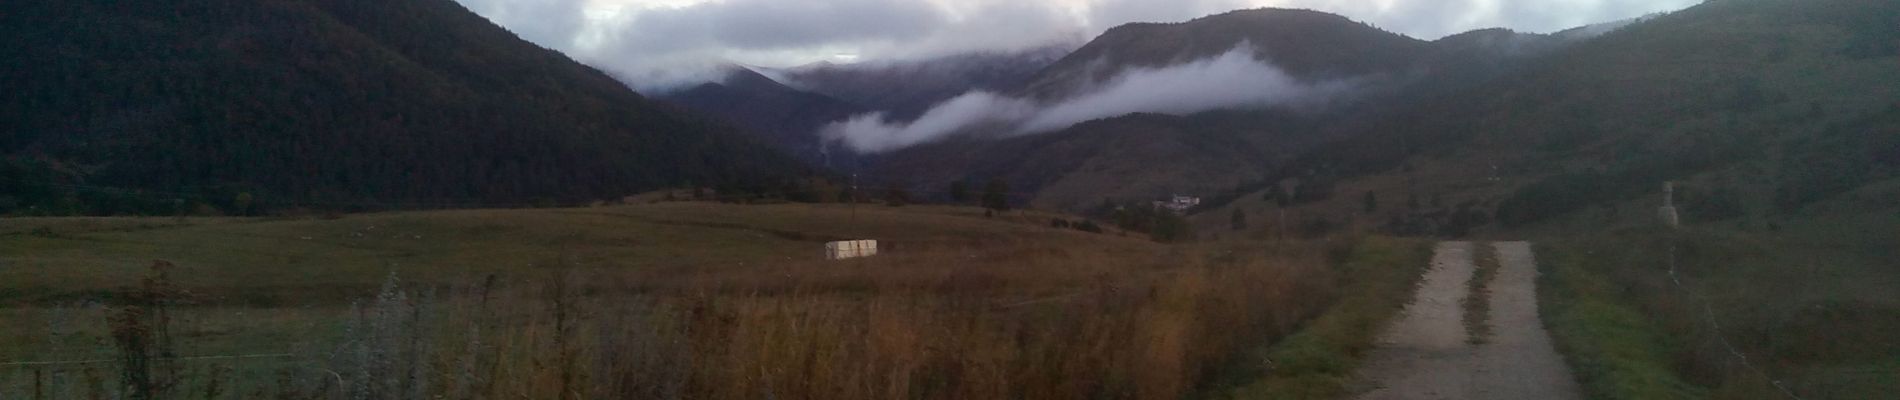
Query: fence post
point(1668, 210)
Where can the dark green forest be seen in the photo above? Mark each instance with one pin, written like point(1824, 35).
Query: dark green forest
point(150, 107)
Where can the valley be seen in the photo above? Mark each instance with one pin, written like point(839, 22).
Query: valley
point(1088, 199)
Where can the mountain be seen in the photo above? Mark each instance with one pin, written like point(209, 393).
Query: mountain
point(1128, 158)
point(329, 103)
point(906, 88)
point(1777, 103)
point(788, 107)
point(787, 117)
point(1173, 154)
point(1308, 45)
point(1759, 110)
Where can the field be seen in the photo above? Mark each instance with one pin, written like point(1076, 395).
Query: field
point(674, 300)
point(1805, 308)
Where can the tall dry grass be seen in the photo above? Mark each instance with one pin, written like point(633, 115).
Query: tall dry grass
point(1046, 323)
point(1024, 320)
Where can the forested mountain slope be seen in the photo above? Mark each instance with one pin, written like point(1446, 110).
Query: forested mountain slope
point(1756, 108)
point(341, 102)
point(779, 114)
point(1308, 45)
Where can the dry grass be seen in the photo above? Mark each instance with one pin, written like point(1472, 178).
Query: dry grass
point(962, 307)
point(1135, 329)
point(1477, 301)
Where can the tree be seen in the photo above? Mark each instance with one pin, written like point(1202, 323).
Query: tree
point(1280, 196)
point(960, 191)
point(1372, 202)
point(996, 195)
point(1239, 219)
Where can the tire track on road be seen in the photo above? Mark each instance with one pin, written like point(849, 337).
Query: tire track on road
point(1424, 353)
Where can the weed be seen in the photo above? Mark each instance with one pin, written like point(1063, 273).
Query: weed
point(1376, 278)
point(142, 331)
point(1616, 352)
point(971, 308)
point(1477, 301)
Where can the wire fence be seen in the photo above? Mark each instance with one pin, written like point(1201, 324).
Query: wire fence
point(1707, 311)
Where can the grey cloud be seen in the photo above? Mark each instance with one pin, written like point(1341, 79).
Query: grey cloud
point(772, 24)
point(1236, 79)
point(992, 26)
point(1231, 80)
point(1104, 14)
point(657, 48)
point(549, 23)
point(875, 133)
point(768, 25)
point(1432, 19)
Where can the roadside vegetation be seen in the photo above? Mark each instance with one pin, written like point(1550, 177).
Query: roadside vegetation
point(1804, 310)
point(1376, 277)
point(678, 300)
point(1615, 350)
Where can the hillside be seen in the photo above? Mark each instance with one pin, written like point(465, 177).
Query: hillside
point(1211, 154)
point(1758, 108)
point(1129, 158)
point(906, 88)
point(781, 115)
point(325, 103)
point(1308, 45)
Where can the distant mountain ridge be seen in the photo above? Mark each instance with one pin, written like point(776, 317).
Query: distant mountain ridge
point(1389, 72)
point(1309, 45)
point(784, 116)
point(906, 88)
point(788, 107)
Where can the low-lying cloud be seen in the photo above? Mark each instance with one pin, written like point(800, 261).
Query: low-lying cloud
point(657, 45)
point(1236, 79)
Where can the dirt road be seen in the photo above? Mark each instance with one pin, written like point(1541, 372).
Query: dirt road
point(1424, 353)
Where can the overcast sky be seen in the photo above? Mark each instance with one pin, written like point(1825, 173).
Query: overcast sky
point(654, 43)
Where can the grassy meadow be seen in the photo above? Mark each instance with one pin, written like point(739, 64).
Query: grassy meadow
point(672, 300)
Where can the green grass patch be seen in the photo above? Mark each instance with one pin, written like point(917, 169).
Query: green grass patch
point(1377, 278)
point(1808, 301)
point(1616, 352)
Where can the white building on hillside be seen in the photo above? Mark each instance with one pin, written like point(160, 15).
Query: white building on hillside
point(1179, 204)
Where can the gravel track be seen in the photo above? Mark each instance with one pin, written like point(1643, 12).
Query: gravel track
point(1424, 354)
